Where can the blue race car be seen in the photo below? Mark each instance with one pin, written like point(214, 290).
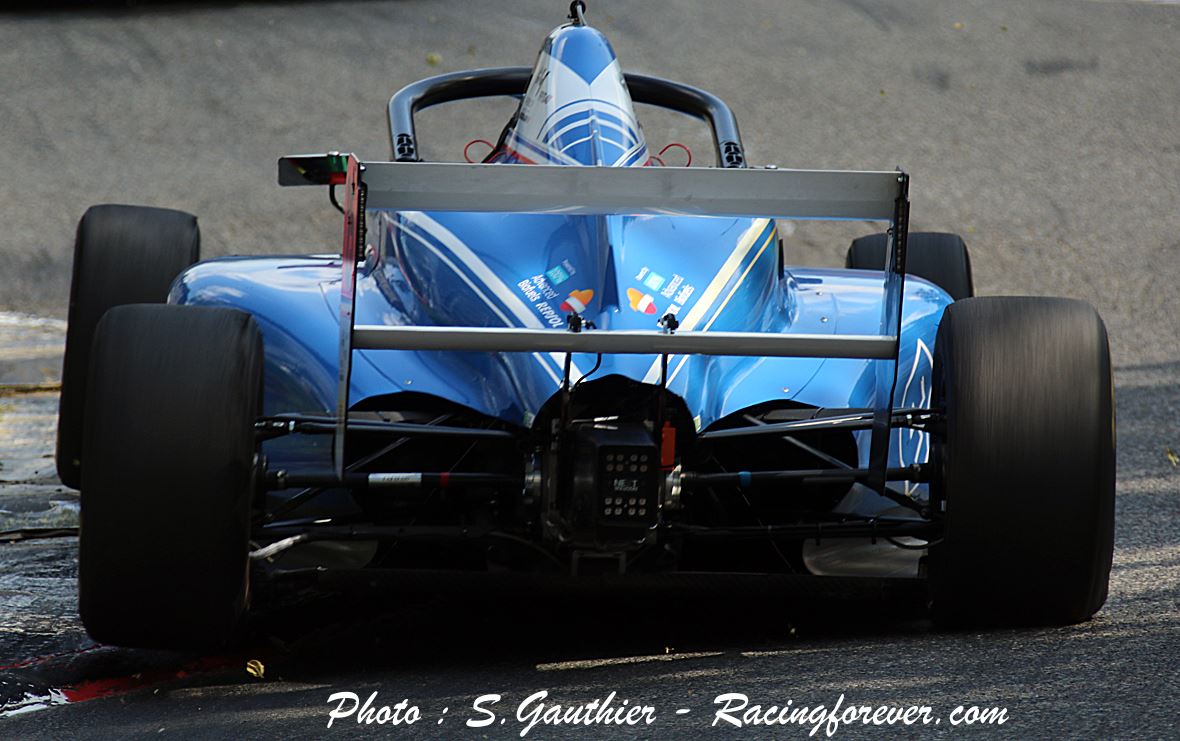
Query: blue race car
point(569, 360)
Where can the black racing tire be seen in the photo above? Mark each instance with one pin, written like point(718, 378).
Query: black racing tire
point(1025, 473)
point(170, 450)
point(122, 255)
point(940, 258)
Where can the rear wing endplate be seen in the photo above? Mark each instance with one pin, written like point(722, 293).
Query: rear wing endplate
point(777, 193)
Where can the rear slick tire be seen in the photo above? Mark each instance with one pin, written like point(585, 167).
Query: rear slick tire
point(937, 257)
point(122, 255)
point(1025, 472)
point(170, 450)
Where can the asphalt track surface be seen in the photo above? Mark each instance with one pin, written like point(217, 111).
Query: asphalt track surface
point(1046, 132)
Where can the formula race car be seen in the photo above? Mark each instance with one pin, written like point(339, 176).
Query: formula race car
point(570, 361)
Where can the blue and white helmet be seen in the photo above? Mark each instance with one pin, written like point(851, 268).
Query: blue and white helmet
point(577, 110)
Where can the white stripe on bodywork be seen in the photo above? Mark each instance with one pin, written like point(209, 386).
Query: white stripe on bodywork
point(555, 135)
point(922, 452)
point(519, 141)
point(491, 281)
point(475, 289)
point(632, 153)
point(705, 302)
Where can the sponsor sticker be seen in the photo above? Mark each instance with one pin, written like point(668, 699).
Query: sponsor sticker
point(577, 301)
point(557, 274)
point(640, 301)
point(538, 290)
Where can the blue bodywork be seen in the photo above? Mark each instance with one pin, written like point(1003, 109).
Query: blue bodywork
point(527, 270)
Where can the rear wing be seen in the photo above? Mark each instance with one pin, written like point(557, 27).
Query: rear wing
point(790, 194)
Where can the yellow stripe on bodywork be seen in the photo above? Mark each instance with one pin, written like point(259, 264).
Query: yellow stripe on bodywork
point(732, 292)
point(721, 308)
point(738, 284)
point(713, 290)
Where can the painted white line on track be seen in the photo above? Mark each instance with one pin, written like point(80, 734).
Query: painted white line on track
point(13, 319)
point(624, 660)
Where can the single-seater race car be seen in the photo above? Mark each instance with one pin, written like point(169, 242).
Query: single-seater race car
point(569, 361)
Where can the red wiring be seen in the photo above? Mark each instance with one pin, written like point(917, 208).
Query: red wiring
point(676, 144)
point(491, 147)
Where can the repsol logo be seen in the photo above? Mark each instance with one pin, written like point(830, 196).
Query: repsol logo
point(549, 314)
